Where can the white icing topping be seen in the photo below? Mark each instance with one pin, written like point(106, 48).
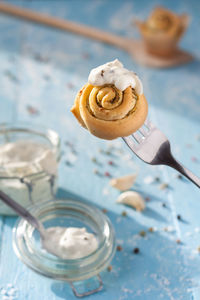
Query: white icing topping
point(114, 73)
point(69, 243)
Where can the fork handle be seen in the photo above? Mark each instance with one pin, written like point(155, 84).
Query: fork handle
point(184, 171)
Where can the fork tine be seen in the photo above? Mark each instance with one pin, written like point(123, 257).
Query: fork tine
point(143, 131)
point(149, 124)
point(137, 137)
point(130, 142)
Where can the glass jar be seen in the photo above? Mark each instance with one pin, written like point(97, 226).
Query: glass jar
point(31, 184)
point(66, 213)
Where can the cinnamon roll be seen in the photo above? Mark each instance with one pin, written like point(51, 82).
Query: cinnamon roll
point(112, 104)
point(162, 31)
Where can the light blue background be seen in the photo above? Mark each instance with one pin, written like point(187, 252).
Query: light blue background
point(163, 269)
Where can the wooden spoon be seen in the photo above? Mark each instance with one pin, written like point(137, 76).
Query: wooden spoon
point(135, 48)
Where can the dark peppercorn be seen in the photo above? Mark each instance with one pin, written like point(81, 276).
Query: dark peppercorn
point(163, 205)
point(157, 179)
point(107, 152)
point(136, 250)
point(142, 233)
point(119, 248)
point(164, 186)
point(109, 268)
point(179, 217)
point(104, 210)
point(124, 213)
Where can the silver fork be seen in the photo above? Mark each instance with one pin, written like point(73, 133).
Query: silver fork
point(152, 146)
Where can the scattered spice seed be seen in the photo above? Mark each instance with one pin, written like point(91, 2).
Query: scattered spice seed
point(119, 248)
point(168, 229)
point(11, 76)
point(85, 55)
point(69, 144)
point(151, 229)
point(73, 151)
point(107, 174)
point(142, 233)
point(147, 199)
point(194, 159)
point(110, 162)
point(179, 217)
point(189, 145)
point(136, 250)
point(94, 160)
point(157, 179)
point(95, 171)
point(178, 241)
point(68, 163)
point(41, 58)
point(124, 213)
point(164, 186)
point(104, 210)
point(179, 176)
point(109, 268)
point(107, 152)
point(70, 85)
point(102, 71)
point(198, 249)
point(163, 205)
point(32, 110)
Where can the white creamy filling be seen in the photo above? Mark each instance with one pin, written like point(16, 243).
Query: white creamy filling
point(114, 73)
point(69, 243)
point(25, 157)
point(20, 159)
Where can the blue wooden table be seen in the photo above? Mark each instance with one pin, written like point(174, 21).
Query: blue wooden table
point(41, 70)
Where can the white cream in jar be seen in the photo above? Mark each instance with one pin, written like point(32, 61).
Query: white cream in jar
point(28, 172)
point(70, 242)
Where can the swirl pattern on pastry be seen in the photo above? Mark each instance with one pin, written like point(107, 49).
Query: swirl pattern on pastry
point(162, 31)
point(163, 21)
point(108, 112)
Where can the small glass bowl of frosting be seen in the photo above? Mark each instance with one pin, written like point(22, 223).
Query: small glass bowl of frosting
point(29, 157)
point(71, 214)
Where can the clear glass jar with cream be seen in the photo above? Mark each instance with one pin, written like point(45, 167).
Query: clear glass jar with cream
point(66, 213)
point(29, 157)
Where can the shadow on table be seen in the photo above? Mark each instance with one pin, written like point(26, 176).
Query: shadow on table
point(161, 267)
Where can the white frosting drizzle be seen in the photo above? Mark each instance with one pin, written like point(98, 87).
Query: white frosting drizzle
point(114, 73)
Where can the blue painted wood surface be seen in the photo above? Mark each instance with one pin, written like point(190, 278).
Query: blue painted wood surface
point(40, 72)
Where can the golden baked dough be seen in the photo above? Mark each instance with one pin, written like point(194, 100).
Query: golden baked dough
point(162, 30)
point(109, 113)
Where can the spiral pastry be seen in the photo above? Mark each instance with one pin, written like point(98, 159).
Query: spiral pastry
point(164, 21)
point(108, 112)
point(162, 30)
